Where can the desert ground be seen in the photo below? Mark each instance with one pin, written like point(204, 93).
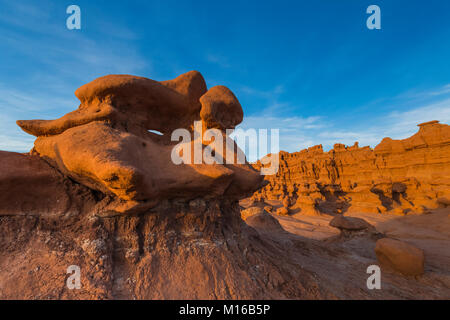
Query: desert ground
point(430, 232)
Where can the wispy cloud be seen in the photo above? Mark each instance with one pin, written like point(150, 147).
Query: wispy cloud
point(272, 94)
point(12, 138)
point(29, 29)
point(27, 104)
point(297, 133)
point(444, 90)
point(58, 61)
point(218, 60)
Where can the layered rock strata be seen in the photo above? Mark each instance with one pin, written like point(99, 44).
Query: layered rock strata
point(397, 176)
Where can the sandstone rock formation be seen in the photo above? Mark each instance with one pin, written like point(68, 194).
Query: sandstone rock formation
point(354, 227)
point(398, 176)
point(349, 223)
point(400, 256)
point(106, 145)
point(261, 220)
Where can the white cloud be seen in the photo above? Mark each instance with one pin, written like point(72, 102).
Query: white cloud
point(218, 60)
point(69, 58)
point(298, 133)
point(26, 104)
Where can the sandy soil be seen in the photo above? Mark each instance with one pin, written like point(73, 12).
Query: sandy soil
point(350, 256)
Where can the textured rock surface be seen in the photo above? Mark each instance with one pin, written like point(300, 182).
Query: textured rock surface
point(400, 256)
point(30, 187)
point(106, 145)
point(349, 223)
point(221, 109)
point(398, 176)
point(175, 251)
point(263, 221)
point(245, 214)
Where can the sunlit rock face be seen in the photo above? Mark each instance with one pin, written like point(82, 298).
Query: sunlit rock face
point(398, 176)
point(109, 143)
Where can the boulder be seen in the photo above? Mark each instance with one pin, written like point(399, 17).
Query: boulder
point(349, 223)
point(220, 108)
point(400, 256)
point(263, 221)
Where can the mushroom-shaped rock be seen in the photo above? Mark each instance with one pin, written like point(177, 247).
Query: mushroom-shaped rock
point(400, 256)
point(130, 103)
point(106, 145)
point(220, 108)
point(349, 223)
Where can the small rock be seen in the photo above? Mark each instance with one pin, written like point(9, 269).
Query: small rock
point(264, 221)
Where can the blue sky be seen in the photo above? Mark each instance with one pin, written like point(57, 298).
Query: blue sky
point(310, 68)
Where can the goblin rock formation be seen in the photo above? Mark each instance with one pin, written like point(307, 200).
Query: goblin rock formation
point(106, 144)
point(398, 176)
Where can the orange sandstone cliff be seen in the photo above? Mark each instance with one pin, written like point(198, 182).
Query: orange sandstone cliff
point(398, 176)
